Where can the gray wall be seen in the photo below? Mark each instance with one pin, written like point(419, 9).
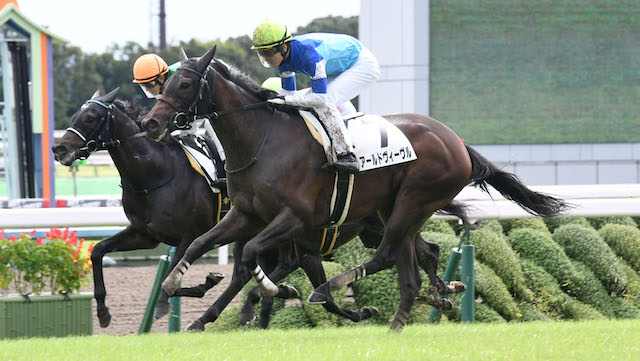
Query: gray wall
point(397, 33)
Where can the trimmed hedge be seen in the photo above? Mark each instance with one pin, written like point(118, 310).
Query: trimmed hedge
point(599, 222)
point(586, 245)
point(538, 247)
point(519, 223)
point(380, 290)
point(625, 242)
point(486, 314)
point(438, 225)
point(529, 313)
point(229, 320)
point(494, 292)
point(494, 226)
point(632, 293)
point(554, 223)
point(494, 250)
point(550, 300)
point(353, 253)
point(290, 317)
point(593, 293)
point(446, 242)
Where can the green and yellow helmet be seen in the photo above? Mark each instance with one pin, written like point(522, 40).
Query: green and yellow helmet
point(269, 34)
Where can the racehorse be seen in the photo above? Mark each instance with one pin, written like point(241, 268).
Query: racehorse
point(157, 180)
point(279, 188)
point(152, 186)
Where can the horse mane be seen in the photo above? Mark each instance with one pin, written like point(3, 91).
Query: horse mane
point(245, 82)
point(132, 109)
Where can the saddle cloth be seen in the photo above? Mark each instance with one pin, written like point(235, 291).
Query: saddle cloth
point(376, 142)
point(204, 159)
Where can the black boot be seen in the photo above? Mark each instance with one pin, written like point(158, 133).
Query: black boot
point(346, 163)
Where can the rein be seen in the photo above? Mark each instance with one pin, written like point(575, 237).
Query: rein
point(183, 119)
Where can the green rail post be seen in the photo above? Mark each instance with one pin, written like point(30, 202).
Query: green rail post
point(452, 266)
point(174, 314)
point(468, 278)
point(147, 319)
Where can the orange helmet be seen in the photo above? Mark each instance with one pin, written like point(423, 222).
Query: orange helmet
point(148, 67)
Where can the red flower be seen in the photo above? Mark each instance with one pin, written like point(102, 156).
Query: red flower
point(39, 242)
point(33, 233)
point(2, 234)
point(12, 238)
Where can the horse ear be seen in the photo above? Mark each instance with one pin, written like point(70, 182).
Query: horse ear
point(96, 94)
point(204, 61)
point(183, 55)
point(109, 98)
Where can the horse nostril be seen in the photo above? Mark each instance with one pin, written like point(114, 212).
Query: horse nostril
point(150, 125)
point(59, 150)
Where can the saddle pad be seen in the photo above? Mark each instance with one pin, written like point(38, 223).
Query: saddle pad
point(200, 160)
point(376, 142)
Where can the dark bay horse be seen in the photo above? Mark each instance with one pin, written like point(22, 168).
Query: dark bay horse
point(157, 181)
point(280, 190)
point(154, 188)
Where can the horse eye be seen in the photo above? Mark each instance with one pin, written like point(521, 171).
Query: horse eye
point(184, 85)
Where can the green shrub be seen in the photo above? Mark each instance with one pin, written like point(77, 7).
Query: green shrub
point(538, 247)
point(380, 290)
point(493, 250)
point(229, 320)
point(593, 293)
point(625, 242)
point(554, 223)
point(586, 245)
point(529, 313)
point(494, 292)
point(290, 317)
point(624, 309)
point(419, 313)
point(438, 225)
point(353, 253)
point(486, 314)
point(550, 299)
point(632, 293)
point(518, 223)
point(637, 220)
point(599, 222)
point(494, 226)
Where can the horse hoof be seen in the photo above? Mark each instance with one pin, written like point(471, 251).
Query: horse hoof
point(396, 327)
point(195, 326)
point(285, 291)
point(104, 318)
point(215, 277)
point(456, 287)
point(170, 284)
point(161, 310)
point(317, 298)
point(445, 304)
point(247, 317)
point(368, 312)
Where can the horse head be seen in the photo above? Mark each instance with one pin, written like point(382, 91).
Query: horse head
point(90, 124)
point(186, 94)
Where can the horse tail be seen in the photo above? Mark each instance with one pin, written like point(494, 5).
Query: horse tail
point(484, 172)
point(458, 209)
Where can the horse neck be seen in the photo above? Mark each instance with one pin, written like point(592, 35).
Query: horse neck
point(241, 133)
point(139, 161)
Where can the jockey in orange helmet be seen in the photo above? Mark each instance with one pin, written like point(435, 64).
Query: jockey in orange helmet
point(150, 71)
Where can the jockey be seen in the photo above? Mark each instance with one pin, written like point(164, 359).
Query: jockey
point(339, 68)
point(150, 71)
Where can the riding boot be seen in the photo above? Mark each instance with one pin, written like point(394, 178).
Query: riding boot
point(344, 160)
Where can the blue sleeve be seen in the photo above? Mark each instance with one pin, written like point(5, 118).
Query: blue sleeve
point(288, 80)
point(314, 65)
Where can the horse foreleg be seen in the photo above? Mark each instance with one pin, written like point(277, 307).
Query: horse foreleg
point(282, 229)
point(235, 226)
point(126, 240)
point(427, 257)
point(409, 281)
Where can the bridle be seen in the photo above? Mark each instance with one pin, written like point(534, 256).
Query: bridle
point(203, 105)
point(103, 137)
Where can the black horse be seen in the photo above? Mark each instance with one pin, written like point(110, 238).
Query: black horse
point(280, 189)
point(154, 188)
point(157, 180)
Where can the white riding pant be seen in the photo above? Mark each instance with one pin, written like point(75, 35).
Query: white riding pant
point(348, 84)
